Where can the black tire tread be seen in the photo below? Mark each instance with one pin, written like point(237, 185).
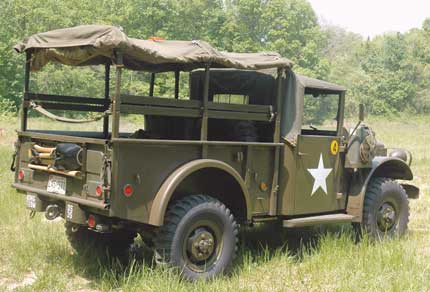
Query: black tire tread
point(373, 193)
point(175, 212)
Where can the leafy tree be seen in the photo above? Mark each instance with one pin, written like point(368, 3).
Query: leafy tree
point(390, 73)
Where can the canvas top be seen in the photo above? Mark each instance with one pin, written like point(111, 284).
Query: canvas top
point(312, 84)
point(98, 44)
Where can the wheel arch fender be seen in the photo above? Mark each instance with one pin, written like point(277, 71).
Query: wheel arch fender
point(388, 167)
point(171, 183)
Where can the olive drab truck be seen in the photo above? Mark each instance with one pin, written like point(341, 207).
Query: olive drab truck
point(249, 141)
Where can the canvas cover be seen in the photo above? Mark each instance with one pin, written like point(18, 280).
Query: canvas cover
point(96, 44)
point(312, 84)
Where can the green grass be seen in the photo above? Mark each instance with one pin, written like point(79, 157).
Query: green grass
point(322, 259)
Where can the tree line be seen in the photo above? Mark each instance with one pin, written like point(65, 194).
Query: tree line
point(389, 73)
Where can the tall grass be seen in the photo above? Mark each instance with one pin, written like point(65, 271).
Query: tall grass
point(318, 259)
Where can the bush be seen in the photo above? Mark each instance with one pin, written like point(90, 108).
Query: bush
point(7, 108)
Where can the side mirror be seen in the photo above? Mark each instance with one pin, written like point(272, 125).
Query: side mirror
point(361, 112)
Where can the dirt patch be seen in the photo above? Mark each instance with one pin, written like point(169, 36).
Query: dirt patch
point(56, 220)
point(10, 284)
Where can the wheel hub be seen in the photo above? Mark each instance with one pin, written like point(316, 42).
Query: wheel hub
point(386, 217)
point(201, 244)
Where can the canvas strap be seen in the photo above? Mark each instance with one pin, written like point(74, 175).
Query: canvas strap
point(50, 115)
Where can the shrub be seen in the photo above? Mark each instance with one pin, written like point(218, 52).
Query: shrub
point(7, 108)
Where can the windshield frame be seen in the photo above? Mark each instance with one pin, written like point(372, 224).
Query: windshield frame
point(339, 113)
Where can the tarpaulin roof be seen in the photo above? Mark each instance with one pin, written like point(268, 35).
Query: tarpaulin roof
point(321, 86)
point(96, 44)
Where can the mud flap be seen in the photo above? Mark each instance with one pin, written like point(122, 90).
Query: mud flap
point(412, 191)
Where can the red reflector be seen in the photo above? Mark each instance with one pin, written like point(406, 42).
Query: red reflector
point(99, 191)
point(91, 221)
point(21, 174)
point(128, 190)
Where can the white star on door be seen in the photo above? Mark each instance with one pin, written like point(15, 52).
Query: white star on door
point(320, 175)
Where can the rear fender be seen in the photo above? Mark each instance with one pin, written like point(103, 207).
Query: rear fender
point(167, 189)
point(388, 167)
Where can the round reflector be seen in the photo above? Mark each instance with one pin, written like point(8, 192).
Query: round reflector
point(21, 174)
point(91, 221)
point(99, 191)
point(128, 190)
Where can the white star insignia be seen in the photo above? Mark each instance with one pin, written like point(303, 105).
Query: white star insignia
point(320, 175)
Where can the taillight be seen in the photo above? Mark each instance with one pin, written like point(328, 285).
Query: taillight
point(128, 190)
point(99, 190)
point(21, 175)
point(91, 221)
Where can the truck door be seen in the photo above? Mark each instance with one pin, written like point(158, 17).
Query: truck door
point(318, 162)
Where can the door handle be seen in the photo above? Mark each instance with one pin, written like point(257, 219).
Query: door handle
point(303, 154)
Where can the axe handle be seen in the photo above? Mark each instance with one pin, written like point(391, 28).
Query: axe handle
point(41, 149)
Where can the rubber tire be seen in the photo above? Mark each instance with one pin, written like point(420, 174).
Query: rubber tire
point(379, 191)
point(179, 217)
point(115, 244)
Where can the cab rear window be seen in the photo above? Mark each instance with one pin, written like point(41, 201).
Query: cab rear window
point(231, 98)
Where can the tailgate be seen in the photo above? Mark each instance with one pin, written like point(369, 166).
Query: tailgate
point(63, 168)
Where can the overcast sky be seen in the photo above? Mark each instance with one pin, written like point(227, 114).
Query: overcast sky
point(373, 17)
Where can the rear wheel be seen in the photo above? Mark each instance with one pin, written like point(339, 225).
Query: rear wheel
point(386, 209)
point(199, 236)
point(115, 244)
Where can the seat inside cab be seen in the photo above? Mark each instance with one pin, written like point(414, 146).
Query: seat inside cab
point(226, 86)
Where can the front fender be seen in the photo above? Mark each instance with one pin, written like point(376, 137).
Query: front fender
point(388, 167)
point(167, 189)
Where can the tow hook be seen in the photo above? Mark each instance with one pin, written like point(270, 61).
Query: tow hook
point(52, 212)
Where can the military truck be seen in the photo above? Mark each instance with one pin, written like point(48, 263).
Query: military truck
point(249, 142)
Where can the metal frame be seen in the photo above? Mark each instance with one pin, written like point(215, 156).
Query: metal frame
point(339, 118)
point(341, 112)
point(151, 84)
point(205, 114)
point(64, 102)
point(107, 99)
point(177, 76)
point(152, 105)
point(193, 108)
point(273, 200)
point(116, 101)
point(25, 103)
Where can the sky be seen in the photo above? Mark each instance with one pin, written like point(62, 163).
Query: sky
point(372, 17)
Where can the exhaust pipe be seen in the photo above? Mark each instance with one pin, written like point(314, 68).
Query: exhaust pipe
point(52, 212)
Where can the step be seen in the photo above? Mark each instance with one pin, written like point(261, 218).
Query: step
point(318, 220)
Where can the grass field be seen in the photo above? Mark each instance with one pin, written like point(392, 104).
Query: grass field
point(35, 255)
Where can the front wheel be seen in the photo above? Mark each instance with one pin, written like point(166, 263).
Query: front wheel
point(199, 236)
point(386, 209)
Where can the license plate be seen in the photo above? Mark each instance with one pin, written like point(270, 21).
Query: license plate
point(57, 185)
point(31, 201)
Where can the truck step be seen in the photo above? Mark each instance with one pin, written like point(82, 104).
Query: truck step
point(318, 220)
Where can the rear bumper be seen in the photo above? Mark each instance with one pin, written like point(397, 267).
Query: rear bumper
point(80, 201)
